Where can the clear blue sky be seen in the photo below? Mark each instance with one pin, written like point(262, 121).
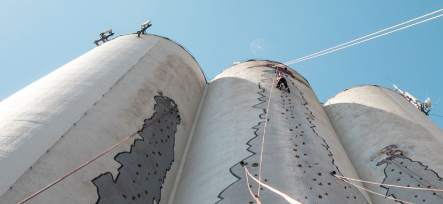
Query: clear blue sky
point(37, 37)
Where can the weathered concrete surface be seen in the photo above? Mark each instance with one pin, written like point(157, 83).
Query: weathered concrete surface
point(324, 129)
point(87, 106)
point(384, 135)
point(401, 170)
point(219, 142)
point(144, 167)
point(230, 130)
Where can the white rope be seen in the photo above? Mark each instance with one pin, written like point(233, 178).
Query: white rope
point(286, 197)
point(384, 184)
point(317, 54)
point(367, 35)
point(264, 131)
point(249, 188)
point(395, 199)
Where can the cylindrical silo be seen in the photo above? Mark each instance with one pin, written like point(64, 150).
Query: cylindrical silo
point(389, 141)
point(300, 147)
point(85, 107)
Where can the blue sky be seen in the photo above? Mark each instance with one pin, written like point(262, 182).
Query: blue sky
point(37, 37)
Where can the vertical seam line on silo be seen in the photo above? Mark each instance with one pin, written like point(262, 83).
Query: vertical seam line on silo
point(185, 153)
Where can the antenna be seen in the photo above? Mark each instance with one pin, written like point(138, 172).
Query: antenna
point(428, 98)
point(392, 81)
point(436, 103)
point(428, 103)
point(399, 90)
point(425, 107)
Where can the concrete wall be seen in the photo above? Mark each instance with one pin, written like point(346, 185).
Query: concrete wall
point(389, 141)
point(83, 108)
point(300, 149)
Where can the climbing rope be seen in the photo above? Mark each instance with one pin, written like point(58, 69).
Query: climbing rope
point(285, 196)
point(408, 171)
point(339, 47)
point(264, 131)
point(93, 159)
point(412, 188)
point(368, 35)
point(376, 192)
point(249, 187)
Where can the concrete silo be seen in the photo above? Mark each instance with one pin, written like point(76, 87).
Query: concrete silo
point(189, 137)
point(85, 107)
point(389, 141)
point(300, 148)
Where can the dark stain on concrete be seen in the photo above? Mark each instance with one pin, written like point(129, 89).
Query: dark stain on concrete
point(401, 170)
point(314, 158)
point(143, 169)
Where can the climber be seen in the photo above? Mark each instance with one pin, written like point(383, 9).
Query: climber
point(284, 70)
point(282, 81)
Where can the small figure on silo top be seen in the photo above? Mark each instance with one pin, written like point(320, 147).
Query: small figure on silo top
point(282, 81)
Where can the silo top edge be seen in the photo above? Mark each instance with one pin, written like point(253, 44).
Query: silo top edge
point(175, 42)
point(269, 61)
point(354, 87)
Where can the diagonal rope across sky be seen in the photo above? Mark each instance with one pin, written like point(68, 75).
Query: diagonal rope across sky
point(342, 46)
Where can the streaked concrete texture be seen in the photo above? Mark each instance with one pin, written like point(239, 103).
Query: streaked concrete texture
point(78, 111)
point(230, 129)
point(144, 168)
point(368, 119)
point(219, 142)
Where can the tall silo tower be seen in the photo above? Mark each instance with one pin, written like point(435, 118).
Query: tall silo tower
point(85, 107)
point(177, 138)
point(389, 141)
point(300, 147)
